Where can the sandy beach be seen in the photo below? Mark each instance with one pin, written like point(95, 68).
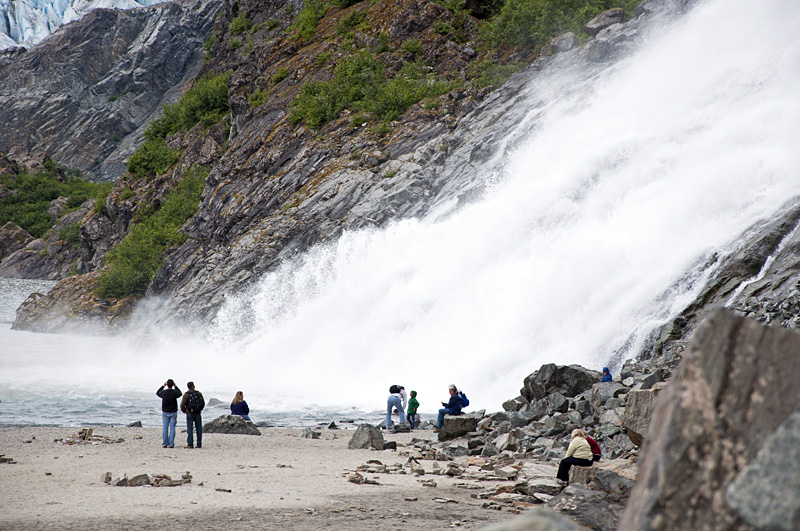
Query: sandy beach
point(274, 481)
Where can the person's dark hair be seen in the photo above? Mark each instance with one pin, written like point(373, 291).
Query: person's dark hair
point(190, 385)
point(170, 383)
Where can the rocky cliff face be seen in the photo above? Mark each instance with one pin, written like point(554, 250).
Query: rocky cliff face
point(83, 95)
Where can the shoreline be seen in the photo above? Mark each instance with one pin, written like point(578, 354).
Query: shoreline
point(276, 480)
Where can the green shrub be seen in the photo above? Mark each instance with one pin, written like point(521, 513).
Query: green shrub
point(31, 195)
point(209, 43)
point(323, 58)
point(154, 156)
point(305, 24)
point(240, 23)
point(100, 197)
point(359, 84)
point(280, 75)
point(358, 120)
point(70, 233)
point(258, 97)
point(532, 23)
point(442, 28)
point(350, 22)
point(206, 102)
point(271, 24)
point(492, 74)
point(136, 259)
point(383, 45)
point(235, 43)
point(382, 129)
point(412, 46)
point(126, 194)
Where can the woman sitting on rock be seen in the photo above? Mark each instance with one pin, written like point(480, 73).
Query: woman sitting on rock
point(239, 406)
point(579, 453)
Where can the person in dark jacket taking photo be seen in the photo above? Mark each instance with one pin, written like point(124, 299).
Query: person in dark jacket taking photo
point(169, 412)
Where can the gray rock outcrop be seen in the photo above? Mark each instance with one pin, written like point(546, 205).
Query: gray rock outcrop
point(539, 518)
point(715, 430)
point(231, 424)
point(84, 95)
point(366, 436)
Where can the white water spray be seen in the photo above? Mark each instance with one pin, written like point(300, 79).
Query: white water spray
point(599, 231)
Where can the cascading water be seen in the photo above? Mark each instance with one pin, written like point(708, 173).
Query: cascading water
point(597, 229)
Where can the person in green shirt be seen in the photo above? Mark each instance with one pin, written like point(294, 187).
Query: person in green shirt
point(413, 404)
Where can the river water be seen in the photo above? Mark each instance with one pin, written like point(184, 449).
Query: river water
point(600, 227)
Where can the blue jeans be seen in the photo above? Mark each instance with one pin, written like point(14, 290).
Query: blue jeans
point(442, 412)
point(169, 421)
point(411, 418)
point(391, 403)
point(193, 420)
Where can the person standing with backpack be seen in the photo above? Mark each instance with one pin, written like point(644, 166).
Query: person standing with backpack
point(193, 404)
point(169, 412)
point(395, 401)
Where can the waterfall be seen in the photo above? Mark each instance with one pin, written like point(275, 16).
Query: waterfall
point(599, 225)
point(600, 229)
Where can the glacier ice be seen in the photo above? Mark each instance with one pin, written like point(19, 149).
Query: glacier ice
point(27, 22)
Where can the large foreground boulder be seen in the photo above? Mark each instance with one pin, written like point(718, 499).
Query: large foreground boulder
point(231, 424)
point(365, 437)
point(538, 518)
point(721, 451)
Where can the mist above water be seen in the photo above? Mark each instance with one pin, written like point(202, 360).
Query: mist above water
point(598, 230)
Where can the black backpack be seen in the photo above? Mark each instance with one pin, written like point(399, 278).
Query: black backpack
point(195, 404)
point(394, 389)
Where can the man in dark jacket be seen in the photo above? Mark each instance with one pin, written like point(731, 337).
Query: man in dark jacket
point(452, 407)
point(169, 412)
point(192, 404)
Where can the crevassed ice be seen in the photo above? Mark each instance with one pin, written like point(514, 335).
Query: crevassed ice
point(27, 22)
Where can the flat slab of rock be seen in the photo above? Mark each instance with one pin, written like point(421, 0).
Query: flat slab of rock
point(457, 426)
point(231, 424)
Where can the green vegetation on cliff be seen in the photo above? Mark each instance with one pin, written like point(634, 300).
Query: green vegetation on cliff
point(533, 23)
point(27, 197)
point(360, 83)
point(206, 102)
point(135, 260)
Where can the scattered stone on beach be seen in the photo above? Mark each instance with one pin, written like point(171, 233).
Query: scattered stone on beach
point(390, 445)
point(427, 483)
point(308, 433)
point(139, 480)
point(137, 424)
point(411, 498)
point(87, 436)
point(231, 424)
point(106, 477)
point(457, 425)
point(360, 479)
point(366, 436)
point(444, 500)
point(283, 466)
point(333, 426)
point(8, 460)
point(225, 490)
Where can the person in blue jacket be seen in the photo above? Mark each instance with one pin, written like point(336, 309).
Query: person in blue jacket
point(452, 407)
point(239, 406)
point(606, 375)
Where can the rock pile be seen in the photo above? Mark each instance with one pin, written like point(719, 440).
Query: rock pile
point(141, 480)
point(87, 436)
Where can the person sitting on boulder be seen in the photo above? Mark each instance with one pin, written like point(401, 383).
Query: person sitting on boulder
point(239, 406)
point(606, 375)
point(452, 407)
point(596, 451)
point(413, 404)
point(579, 453)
